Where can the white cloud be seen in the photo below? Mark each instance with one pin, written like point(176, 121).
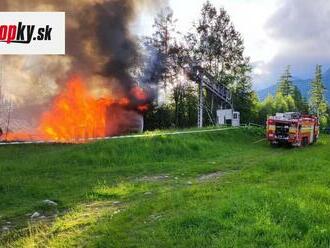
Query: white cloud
point(301, 29)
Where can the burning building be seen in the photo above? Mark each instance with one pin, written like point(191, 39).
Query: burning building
point(90, 92)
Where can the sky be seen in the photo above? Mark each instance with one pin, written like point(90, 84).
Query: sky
point(276, 33)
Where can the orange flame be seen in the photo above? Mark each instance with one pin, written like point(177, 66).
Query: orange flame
point(76, 115)
point(139, 93)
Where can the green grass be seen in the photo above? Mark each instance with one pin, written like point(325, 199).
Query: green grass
point(264, 197)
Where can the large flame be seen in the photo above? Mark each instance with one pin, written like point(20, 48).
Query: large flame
point(76, 115)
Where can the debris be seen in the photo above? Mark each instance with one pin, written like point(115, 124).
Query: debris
point(154, 178)
point(155, 217)
point(115, 203)
point(189, 183)
point(35, 215)
point(211, 176)
point(5, 229)
point(50, 203)
point(148, 193)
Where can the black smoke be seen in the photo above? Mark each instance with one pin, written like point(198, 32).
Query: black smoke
point(99, 40)
point(100, 47)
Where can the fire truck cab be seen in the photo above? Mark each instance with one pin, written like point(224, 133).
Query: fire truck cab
point(292, 129)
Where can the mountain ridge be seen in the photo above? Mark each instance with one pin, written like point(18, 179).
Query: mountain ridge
point(304, 86)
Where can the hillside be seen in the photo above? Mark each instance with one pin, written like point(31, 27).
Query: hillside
point(304, 86)
point(216, 189)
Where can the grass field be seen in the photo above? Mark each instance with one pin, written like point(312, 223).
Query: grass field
point(216, 189)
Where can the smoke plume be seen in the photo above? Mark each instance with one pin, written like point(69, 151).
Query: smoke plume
point(99, 44)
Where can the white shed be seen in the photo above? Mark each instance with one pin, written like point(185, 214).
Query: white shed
point(228, 117)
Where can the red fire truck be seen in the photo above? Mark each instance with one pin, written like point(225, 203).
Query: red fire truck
point(293, 129)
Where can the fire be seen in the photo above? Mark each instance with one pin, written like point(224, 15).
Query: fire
point(143, 108)
point(139, 93)
point(19, 136)
point(76, 115)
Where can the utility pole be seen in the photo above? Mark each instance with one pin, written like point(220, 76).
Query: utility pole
point(200, 104)
point(206, 82)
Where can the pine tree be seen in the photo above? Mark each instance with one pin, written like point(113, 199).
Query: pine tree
point(286, 87)
point(163, 40)
point(300, 102)
point(318, 103)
